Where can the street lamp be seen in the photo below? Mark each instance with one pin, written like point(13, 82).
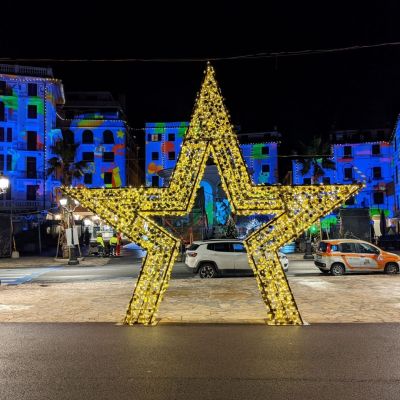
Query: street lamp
point(70, 206)
point(4, 183)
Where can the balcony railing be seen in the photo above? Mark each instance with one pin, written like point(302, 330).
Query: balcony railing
point(26, 70)
point(25, 204)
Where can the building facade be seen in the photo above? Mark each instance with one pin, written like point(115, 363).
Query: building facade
point(29, 97)
point(364, 156)
point(96, 122)
point(162, 148)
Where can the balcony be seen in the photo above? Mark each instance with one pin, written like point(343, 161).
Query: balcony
point(27, 175)
point(24, 205)
point(26, 70)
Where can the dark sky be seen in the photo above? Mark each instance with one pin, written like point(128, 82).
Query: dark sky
point(302, 95)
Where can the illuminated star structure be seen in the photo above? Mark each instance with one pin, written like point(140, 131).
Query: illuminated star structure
point(210, 134)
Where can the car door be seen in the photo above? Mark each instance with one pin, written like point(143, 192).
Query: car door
point(241, 260)
point(349, 255)
point(223, 255)
point(368, 256)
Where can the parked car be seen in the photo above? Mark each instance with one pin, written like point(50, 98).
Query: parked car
point(211, 258)
point(339, 256)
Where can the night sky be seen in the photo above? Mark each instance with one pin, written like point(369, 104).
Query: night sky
point(301, 96)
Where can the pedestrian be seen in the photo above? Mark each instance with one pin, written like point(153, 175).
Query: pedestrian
point(100, 245)
point(113, 244)
point(119, 240)
point(86, 237)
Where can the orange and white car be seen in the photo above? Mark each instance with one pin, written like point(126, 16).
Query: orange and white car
point(339, 256)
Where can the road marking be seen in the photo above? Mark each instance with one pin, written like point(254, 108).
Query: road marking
point(23, 275)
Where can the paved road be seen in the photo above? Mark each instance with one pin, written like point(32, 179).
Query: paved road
point(103, 361)
point(129, 270)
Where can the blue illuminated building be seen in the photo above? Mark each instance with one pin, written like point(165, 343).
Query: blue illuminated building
point(360, 156)
point(29, 97)
point(163, 144)
point(97, 122)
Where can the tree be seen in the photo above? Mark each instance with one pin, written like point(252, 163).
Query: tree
point(313, 158)
point(65, 167)
point(63, 163)
point(231, 231)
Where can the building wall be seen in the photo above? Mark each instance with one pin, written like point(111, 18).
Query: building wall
point(27, 125)
point(396, 166)
point(108, 140)
point(371, 163)
point(163, 144)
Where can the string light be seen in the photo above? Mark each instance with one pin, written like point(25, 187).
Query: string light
point(295, 208)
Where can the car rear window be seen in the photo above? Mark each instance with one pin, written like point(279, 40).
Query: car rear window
point(193, 246)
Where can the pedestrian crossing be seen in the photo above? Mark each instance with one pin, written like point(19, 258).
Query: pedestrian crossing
point(21, 275)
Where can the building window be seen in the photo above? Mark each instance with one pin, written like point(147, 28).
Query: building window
point(31, 167)
point(2, 87)
point(9, 135)
point(31, 192)
point(108, 156)
point(348, 174)
point(350, 202)
point(88, 156)
point(148, 137)
point(9, 162)
point(347, 151)
point(156, 138)
point(171, 137)
point(87, 137)
point(378, 197)
point(2, 111)
point(307, 181)
point(171, 155)
point(155, 181)
point(88, 179)
point(32, 89)
point(154, 155)
point(107, 178)
point(377, 172)
point(326, 180)
point(265, 168)
point(376, 149)
point(31, 140)
point(1, 162)
point(108, 137)
point(68, 137)
point(32, 111)
point(265, 150)
point(1, 134)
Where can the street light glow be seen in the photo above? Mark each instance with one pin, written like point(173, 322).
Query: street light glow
point(4, 182)
point(63, 201)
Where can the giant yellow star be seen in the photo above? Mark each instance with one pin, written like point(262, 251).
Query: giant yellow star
point(210, 133)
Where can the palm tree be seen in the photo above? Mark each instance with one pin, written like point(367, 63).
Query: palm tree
point(63, 163)
point(65, 167)
point(314, 158)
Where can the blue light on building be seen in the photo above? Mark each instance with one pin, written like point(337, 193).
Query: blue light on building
point(29, 97)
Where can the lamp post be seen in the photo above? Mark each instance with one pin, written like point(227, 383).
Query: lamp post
point(69, 207)
point(4, 183)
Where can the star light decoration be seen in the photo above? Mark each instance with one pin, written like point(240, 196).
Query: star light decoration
point(210, 134)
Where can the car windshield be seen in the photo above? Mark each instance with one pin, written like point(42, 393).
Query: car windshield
point(193, 246)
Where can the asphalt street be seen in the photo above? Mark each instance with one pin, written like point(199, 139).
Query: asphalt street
point(58, 274)
point(105, 361)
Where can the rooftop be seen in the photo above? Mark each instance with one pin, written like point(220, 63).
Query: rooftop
point(26, 70)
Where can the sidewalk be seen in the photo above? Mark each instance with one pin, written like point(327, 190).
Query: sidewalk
point(88, 261)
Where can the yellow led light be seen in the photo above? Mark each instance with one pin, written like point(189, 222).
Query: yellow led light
point(295, 209)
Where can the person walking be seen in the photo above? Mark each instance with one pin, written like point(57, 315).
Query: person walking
point(100, 245)
point(119, 240)
point(113, 244)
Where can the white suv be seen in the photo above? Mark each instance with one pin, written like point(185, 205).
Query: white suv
point(210, 258)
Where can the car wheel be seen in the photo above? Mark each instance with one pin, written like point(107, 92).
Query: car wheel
point(207, 271)
point(391, 268)
point(337, 269)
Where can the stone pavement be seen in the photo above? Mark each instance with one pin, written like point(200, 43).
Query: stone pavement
point(321, 299)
